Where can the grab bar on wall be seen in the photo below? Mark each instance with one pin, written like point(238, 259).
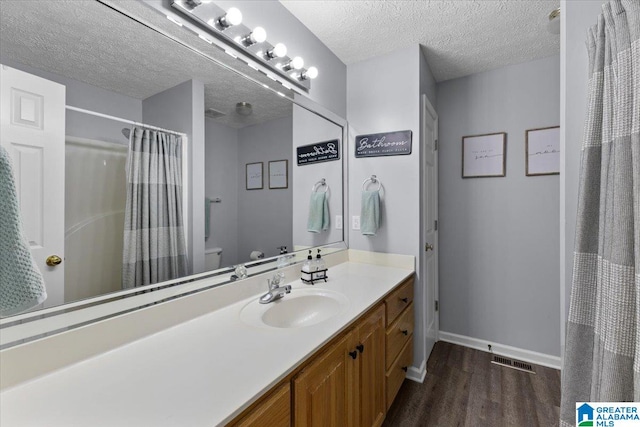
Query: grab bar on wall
point(374, 179)
point(216, 200)
point(318, 185)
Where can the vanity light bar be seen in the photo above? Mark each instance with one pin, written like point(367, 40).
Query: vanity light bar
point(227, 27)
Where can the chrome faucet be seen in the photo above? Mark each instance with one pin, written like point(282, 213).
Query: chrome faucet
point(275, 290)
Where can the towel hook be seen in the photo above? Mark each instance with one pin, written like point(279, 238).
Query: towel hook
point(320, 184)
point(374, 179)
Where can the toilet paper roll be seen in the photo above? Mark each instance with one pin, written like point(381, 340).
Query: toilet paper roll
point(256, 255)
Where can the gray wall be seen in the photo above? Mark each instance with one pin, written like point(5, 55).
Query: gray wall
point(93, 98)
point(181, 108)
point(577, 17)
point(221, 168)
point(383, 94)
point(264, 216)
point(499, 246)
point(309, 128)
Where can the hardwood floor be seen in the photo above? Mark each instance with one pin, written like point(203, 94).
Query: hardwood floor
point(463, 388)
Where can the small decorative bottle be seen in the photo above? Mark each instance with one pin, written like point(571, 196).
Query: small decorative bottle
point(320, 270)
point(307, 269)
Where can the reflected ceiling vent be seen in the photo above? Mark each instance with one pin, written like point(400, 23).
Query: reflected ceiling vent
point(213, 114)
point(244, 108)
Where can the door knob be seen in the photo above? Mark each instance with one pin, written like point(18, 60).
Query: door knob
point(53, 260)
point(428, 247)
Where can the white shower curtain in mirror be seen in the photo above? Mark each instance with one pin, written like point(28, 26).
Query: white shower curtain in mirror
point(602, 350)
point(154, 238)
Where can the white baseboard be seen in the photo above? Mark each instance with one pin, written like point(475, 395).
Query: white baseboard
point(503, 350)
point(417, 374)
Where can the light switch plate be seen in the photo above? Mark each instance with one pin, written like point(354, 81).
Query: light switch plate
point(355, 222)
point(338, 222)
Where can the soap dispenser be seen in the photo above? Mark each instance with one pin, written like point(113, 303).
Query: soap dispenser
point(307, 269)
point(320, 270)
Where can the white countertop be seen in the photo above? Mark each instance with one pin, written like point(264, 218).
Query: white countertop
point(200, 373)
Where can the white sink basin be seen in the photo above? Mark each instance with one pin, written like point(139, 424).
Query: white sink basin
point(300, 308)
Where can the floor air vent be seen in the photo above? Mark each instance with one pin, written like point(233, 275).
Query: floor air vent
point(511, 363)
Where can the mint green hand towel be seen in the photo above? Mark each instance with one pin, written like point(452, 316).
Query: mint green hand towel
point(370, 213)
point(318, 213)
point(21, 284)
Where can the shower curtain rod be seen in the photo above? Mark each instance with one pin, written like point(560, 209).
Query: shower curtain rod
point(119, 119)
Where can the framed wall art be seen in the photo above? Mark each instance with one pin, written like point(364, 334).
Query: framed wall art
point(278, 174)
point(542, 153)
point(484, 156)
point(254, 176)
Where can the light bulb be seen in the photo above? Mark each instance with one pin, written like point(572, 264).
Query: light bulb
point(311, 73)
point(233, 16)
point(297, 63)
point(280, 50)
point(259, 35)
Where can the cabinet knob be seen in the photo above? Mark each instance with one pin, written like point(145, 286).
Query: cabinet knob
point(353, 354)
point(404, 300)
point(404, 368)
point(360, 348)
point(405, 331)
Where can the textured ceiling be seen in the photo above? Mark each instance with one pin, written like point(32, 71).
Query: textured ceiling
point(459, 37)
point(89, 42)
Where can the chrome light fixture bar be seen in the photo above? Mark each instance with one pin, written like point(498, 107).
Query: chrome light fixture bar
point(226, 27)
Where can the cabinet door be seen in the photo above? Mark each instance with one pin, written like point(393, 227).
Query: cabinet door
point(275, 411)
point(322, 390)
point(371, 333)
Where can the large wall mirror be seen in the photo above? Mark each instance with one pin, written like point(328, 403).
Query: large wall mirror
point(140, 159)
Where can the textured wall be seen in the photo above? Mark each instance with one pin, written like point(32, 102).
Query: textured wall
point(499, 244)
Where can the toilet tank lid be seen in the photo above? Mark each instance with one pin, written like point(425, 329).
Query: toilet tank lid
point(213, 251)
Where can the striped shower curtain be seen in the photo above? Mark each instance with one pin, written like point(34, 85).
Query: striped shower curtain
point(154, 237)
point(602, 350)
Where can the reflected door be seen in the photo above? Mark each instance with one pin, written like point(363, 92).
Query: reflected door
point(430, 227)
point(32, 131)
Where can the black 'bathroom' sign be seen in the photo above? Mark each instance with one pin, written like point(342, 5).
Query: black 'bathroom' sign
point(319, 152)
point(384, 144)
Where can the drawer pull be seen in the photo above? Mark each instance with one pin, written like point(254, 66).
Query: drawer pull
point(405, 331)
point(353, 354)
point(360, 348)
point(404, 300)
point(404, 368)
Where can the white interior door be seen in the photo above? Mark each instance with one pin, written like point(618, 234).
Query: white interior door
point(430, 217)
point(32, 130)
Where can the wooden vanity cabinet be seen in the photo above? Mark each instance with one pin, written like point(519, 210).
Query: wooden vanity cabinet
point(344, 386)
point(273, 411)
point(399, 337)
point(351, 381)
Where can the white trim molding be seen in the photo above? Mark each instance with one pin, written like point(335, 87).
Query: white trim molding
point(417, 374)
point(502, 350)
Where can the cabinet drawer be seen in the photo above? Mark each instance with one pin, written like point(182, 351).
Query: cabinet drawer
point(397, 373)
point(398, 300)
point(398, 334)
point(274, 411)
